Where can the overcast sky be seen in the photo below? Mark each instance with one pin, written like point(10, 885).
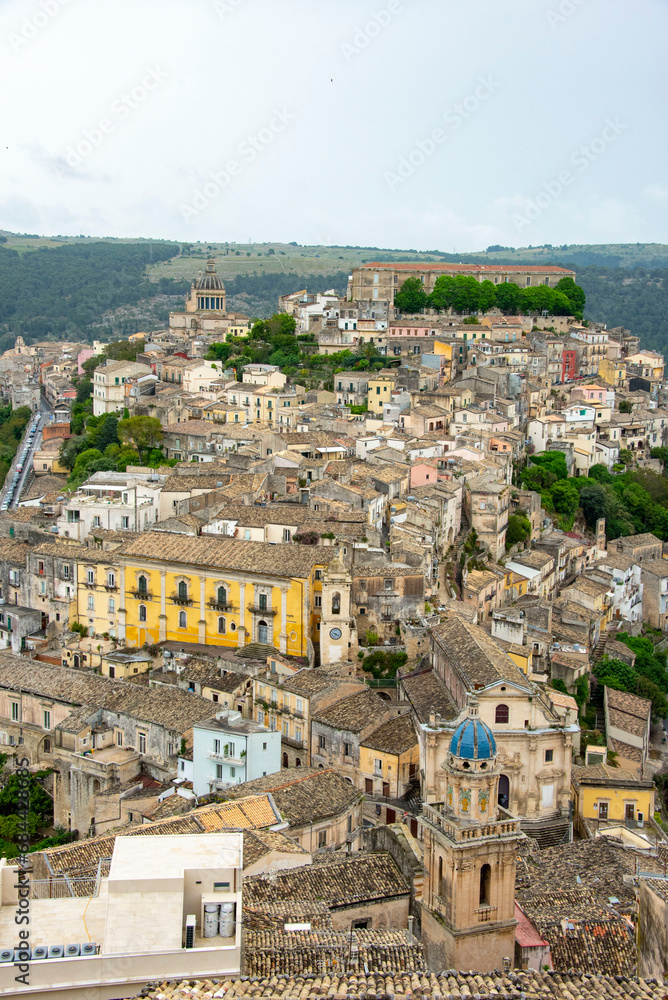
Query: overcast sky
point(423, 124)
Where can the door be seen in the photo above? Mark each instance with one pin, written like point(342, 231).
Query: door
point(262, 632)
point(414, 827)
point(390, 816)
point(504, 791)
point(386, 789)
point(603, 810)
point(630, 812)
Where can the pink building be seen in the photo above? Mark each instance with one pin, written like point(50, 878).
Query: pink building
point(84, 355)
point(423, 474)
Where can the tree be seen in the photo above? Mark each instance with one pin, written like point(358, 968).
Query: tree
point(519, 529)
point(142, 432)
point(411, 297)
point(441, 295)
point(600, 474)
point(509, 298)
point(487, 296)
point(466, 294)
point(616, 674)
point(565, 497)
point(593, 500)
point(106, 431)
point(574, 294)
point(625, 406)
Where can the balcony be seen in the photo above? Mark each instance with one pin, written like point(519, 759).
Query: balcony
point(433, 815)
point(111, 587)
point(257, 609)
point(181, 600)
point(227, 758)
point(142, 595)
point(220, 605)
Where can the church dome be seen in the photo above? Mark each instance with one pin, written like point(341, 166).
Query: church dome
point(209, 282)
point(473, 740)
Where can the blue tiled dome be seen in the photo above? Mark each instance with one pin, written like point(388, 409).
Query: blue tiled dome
point(473, 740)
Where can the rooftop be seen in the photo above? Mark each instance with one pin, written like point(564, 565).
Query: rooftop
point(303, 795)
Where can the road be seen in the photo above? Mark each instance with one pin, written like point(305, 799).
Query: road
point(21, 467)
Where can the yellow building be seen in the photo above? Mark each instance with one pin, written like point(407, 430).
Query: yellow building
point(612, 372)
point(220, 592)
point(390, 758)
point(222, 413)
point(379, 392)
point(611, 795)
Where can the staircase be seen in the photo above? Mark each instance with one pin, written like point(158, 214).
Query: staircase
point(550, 833)
point(255, 651)
point(603, 640)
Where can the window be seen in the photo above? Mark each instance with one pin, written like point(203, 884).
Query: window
point(141, 739)
point(47, 746)
point(221, 626)
point(183, 619)
point(222, 595)
point(298, 734)
point(502, 714)
point(336, 604)
point(322, 839)
point(286, 728)
point(233, 772)
point(142, 612)
point(485, 885)
point(15, 711)
point(322, 744)
point(347, 750)
point(141, 584)
point(119, 738)
point(125, 521)
point(247, 534)
point(262, 602)
point(377, 766)
point(287, 534)
point(96, 521)
point(318, 574)
point(47, 719)
point(42, 587)
point(183, 590)
point(389, 585)
point(91, 603)
point(111, 606)
point(318, 600)
point(90, 576)
point(66, 572)
point(549, 756)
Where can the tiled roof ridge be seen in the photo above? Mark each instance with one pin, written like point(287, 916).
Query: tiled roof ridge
point(304, 777)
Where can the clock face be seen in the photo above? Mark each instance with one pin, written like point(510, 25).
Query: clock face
point(335, 633)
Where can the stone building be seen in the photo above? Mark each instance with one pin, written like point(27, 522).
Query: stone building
point(535, 736)
point(52, 580)
point(486, 505)
point(470, 845)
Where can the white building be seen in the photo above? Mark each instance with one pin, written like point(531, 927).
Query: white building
point(114, 500)
point(109, 385)
point(169, 908)
point(229, 750)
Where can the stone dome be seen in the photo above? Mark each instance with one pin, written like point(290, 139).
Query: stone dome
point(209, 282)
point(473, 740)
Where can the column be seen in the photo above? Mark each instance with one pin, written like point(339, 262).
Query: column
point(202, 614)
point(122, 613)
point(283, 635)
point(241, 631)
point(163, 605)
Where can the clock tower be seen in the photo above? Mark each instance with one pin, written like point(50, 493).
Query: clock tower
point(338, 637)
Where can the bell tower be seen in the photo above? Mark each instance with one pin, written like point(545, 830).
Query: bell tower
point(468, 905)
point(338, 638)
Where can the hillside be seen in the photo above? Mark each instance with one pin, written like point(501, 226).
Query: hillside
point(82, 287)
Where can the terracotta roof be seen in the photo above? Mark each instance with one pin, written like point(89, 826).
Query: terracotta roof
point(426, 694)
point(337, 881)
point(396, 736)
point(477, 657)
point(353, 713)
point(303, 795)
point(208, 551)
point(427, 266)
point(408, 982)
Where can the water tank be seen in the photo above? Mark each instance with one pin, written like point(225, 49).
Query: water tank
point(41, 951)
point(226, 924)
point(6, 955)
point(56, 951)
point(72, 950)
point(89, 948)
point(211, 917)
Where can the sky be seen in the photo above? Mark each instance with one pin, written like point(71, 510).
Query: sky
point(413, 124)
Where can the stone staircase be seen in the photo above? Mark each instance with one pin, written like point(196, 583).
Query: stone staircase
point(255, 651)
point(609, 633)
point(549, 833)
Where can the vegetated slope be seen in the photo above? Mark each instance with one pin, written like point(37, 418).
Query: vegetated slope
point(59, 293)
point(257, 294)
point(636, 299)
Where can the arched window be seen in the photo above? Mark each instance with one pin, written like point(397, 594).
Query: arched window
point(96, 786)
point(222, 626)
point(141, 584)
point(285, 760)
point(183, 619)
point(222, 595)
point(142, 612)
point(298, 762)
point(485, 884)
point(502, 714)
point(336, 604)
point(183, 589)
